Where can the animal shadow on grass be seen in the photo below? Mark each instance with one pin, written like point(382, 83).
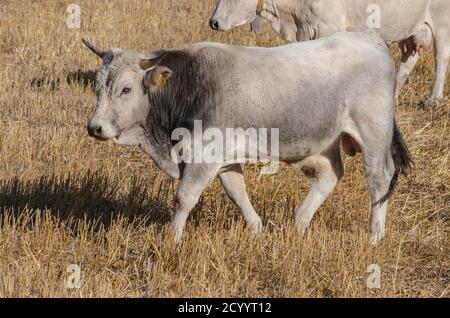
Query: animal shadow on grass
point(82, 77)
point(92, 198)
point(85, 78)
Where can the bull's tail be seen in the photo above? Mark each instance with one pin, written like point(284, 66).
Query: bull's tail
point(402, 161)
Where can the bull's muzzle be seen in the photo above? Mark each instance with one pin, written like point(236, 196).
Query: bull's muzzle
point(95, 130)
point(214, 24)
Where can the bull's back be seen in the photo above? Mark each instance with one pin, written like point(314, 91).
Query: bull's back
point(301, 77)
point(302, 88)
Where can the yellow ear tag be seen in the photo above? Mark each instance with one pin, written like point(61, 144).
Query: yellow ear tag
point(162, 80)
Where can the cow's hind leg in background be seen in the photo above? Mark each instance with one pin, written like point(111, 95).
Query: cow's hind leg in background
point(325, 169)
point(442, 54)
point(411, 50)
point(408, 61)
point(233, 181)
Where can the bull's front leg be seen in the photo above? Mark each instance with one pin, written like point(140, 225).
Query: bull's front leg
point(196, 177)
point(162, 158)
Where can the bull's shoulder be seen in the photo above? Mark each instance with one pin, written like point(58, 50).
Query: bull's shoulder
point(196, 48)
point(206, 52)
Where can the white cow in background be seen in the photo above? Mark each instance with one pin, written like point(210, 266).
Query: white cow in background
point(416, 25)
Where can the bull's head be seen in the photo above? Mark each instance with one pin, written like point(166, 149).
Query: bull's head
point(232, 13)
point(122, 85)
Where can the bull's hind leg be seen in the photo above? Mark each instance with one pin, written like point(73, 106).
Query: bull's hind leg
point(234, 184)
point(379, 170)
point(325, 169)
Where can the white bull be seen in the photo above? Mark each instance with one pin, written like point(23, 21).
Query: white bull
point(316, 93)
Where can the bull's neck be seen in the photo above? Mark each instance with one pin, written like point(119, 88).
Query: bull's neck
point(289, 19)
point(157, 144)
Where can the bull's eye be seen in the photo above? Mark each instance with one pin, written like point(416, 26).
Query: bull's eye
point(125, 91)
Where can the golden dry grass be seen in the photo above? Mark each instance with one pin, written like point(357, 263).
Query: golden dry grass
point(67, 199)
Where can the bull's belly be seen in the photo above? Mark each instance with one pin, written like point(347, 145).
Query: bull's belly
point(297, 151)
point(292, 151)
point(290, 139)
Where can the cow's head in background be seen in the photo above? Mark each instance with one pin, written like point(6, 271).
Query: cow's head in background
point(232, 13)
point(122, 85)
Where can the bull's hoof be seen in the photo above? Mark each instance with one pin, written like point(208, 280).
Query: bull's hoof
point(376, 238)
point(178, 238)
point(301, 228)
point(176, 232)
point(256, 226)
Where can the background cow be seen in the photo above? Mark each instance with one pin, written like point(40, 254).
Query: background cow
point(415, 25)
point(142, 99)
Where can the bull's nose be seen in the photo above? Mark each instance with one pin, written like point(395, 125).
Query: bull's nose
point(214, 24)
point(94, 130)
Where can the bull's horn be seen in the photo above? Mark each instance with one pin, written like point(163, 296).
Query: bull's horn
point(91, 47)
point(153, 60)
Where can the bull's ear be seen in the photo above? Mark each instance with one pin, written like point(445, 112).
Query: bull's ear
point(156, 77)
point(99, 53)
point(153, 59)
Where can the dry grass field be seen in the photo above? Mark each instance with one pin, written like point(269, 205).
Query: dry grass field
point(68, 199)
